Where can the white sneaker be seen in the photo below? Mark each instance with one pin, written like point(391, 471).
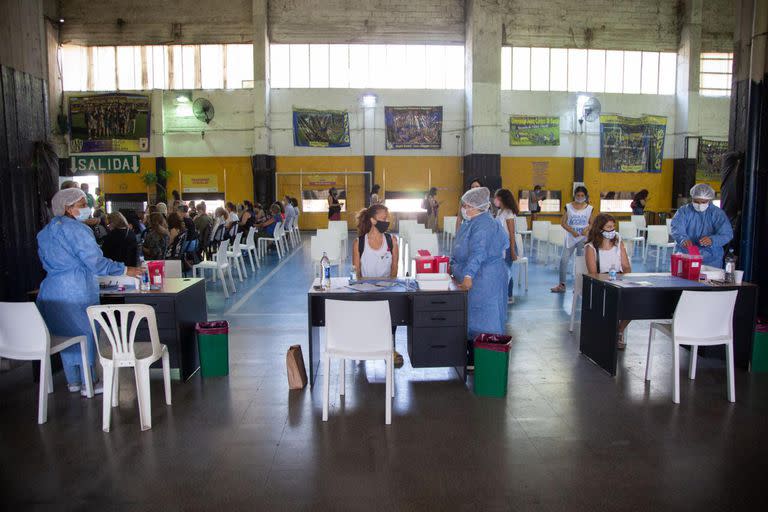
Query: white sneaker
point(98, 389)
point(74, 388)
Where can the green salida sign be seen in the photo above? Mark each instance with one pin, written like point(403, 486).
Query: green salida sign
point(112, 164)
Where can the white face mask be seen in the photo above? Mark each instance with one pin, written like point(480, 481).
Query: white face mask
point(84, 214)
point(465, 215)
point(580, 199)
point(701, 207)
point(609, 235)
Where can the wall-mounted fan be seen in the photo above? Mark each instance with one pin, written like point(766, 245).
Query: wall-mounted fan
point(590, 111)
point(203, 110)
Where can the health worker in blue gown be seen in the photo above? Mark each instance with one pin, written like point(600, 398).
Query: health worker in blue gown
point(702, 224)
point(478, 266)
point(72, 260)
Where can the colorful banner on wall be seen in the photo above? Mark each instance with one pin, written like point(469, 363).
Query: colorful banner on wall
point(631, 144)
point(109, 122)
point(414, 127)
point(321, 128)
point(534, 131)
point(709, 159)
point(199, 183)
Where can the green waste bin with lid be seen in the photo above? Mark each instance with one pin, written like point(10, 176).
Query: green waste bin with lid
point(213, 344)
point(759, 363)
point(491, 364)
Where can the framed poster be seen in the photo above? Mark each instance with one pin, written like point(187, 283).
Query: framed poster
point(321, 128)
point(109, 122)
point(709, 159)
point(534, 131)
point(413, 127)
point(631, 144)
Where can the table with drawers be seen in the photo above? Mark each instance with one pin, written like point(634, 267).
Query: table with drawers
point(178, 306)
point(436, 321)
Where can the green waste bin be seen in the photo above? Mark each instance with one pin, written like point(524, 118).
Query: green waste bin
point(491, 365)
point(760, 350)
point(213, 344)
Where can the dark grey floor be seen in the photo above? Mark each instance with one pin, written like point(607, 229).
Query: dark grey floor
point(567, 437)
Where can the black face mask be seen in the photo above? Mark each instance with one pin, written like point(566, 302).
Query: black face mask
point(382, 226)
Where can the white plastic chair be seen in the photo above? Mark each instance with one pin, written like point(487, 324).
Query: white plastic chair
point(539, 234)
point(640, 224)
point(327, 243)
point(556, 240)
point(449, 230)
point(330, 233)
point(521, 261)
point(173, 269)
point(118, 348)
point(275, 238)
point(235, 257)
point(579, 269)
point(404, 226)
point(342, 229)
point(521, 227)
point(700, 319)
point(360, 330)
point(250, 249)
point(421, 242)
point(288, 229)
point(658, 237)
point(295, 231)
point(628, 233)
point(25, 337)
point(219, 265)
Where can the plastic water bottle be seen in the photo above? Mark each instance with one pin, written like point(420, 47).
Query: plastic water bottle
point(352, 275)
point(612, 273)
point(144, 281)
point(325, 267)
point(730, 267)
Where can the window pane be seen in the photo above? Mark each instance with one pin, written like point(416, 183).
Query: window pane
point(104, 69)
point(358, 66)
point(299, 65)
point(506, 68)
point(539, 69)
point(318, 65)
point(667, 73)
point(74, 67)
point(632, 63)
point(577, 70)
point(454, 67)
point(126, 78)
point(650, 76)
point(188, 67)
point(279, 69)
point(212, 66)
point(435, 65)
point(159, 72)
point(240, 65)
point(521, 69)
point(715, 65)
point(395, 69)
point(558, 69)
point(614, 71)
point(416, 66)
point(715, 81)
point(339, 65)
point(377, 65)
point(176, 76)
point(596, 70)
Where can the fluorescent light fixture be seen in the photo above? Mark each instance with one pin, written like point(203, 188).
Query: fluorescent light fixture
point(61, 20)
point(369, 100)
point(183, 98)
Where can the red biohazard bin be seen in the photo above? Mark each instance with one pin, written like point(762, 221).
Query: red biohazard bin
point(152, 267)
point(425, 263)
point(692, 264)
point(677, 263)
point(442, 264)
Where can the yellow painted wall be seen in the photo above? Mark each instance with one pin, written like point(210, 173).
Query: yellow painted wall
point(233, 173)
point(517, 173)
point(127, 183)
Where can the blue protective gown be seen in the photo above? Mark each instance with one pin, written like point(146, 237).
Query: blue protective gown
point(688, 224)
point(70, 256)
point(477, 253)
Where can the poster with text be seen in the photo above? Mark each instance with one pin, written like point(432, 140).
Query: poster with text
point(414, 127)
point(631, 144)
point(534, 131)
point(321, 128)
point(109, 122)
point(709, 159)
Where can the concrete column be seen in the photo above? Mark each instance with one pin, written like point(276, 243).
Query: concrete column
point(261, 136)
point(482, 88)
point(688, 66)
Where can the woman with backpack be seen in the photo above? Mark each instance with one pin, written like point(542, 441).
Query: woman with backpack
point(375, 254)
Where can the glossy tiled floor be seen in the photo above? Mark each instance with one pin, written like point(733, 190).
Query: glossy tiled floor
point(567, 437)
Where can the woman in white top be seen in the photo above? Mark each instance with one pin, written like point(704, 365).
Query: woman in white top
point(576, 221)
point(375, 253)
point(506, 213)
point(604, 251)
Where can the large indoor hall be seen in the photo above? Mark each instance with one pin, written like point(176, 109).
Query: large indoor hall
point(442, 255)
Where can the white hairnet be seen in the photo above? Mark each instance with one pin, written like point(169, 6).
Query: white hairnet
point(702, 191)
point(64, 198)
point(162, 208)
point(478, 198)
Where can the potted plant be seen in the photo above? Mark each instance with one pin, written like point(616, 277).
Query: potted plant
point(154, 182)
